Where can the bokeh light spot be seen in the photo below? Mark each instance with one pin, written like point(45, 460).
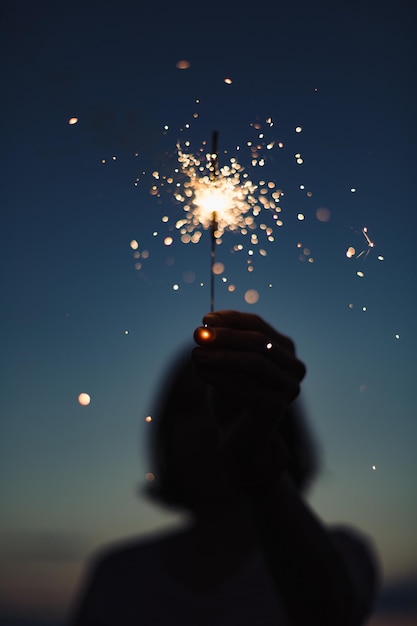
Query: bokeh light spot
point(218, 268)
point(323, 214)
point(84, 399)
point(251, 296)
point(182, 64)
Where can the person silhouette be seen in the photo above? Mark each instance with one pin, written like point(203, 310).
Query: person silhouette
point(231, 446)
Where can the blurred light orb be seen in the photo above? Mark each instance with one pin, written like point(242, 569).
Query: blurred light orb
point(300, 217)
point(168, 241)
point(134, 244)
point(188, 276)
point(84, 399)
point(228, 81)
point(323, 214)
point(350, 252)
point(72, 121)
point(218, 268)
point(298, 129)
point(182, 64)
point(251, 296)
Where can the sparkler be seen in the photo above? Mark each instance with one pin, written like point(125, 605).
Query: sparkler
point(219, 199)
point(213, 225)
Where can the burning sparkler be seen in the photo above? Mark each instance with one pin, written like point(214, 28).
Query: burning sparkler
point(213, 224)
point(222, 199)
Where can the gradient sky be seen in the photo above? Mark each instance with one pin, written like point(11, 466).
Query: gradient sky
point(78, 317)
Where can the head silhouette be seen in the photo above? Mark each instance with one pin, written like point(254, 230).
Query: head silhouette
point(183, 445)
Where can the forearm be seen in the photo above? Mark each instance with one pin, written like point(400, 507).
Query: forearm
point(306, 566)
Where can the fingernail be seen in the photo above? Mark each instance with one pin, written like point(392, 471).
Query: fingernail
point(212, 319)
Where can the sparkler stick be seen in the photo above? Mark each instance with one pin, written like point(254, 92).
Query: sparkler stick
point(213, 224)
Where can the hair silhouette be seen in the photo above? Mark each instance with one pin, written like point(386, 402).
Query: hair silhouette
point(184, 392)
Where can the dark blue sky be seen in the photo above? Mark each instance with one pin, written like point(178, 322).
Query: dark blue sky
point(345, 74)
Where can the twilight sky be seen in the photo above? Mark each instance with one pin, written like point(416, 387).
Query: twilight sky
point(80, 315)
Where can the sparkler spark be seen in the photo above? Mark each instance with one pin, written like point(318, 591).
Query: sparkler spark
point(370, 243)
point(226, 195)
point(351, 252)
point(219, 199)
point(226, 198)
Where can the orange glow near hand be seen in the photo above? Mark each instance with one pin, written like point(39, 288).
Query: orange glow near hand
point(203, 334)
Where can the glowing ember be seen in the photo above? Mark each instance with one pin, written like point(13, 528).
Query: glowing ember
point(183, 64)
point(205, 334)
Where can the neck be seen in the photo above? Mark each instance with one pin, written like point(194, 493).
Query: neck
point(230, 527)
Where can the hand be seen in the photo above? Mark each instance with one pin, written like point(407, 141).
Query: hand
point(254, 373)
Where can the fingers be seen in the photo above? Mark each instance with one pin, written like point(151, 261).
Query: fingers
point(249, 342)
point(230, 369)
point(246, 322)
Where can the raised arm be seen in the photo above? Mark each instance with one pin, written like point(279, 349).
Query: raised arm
point(325, 578)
